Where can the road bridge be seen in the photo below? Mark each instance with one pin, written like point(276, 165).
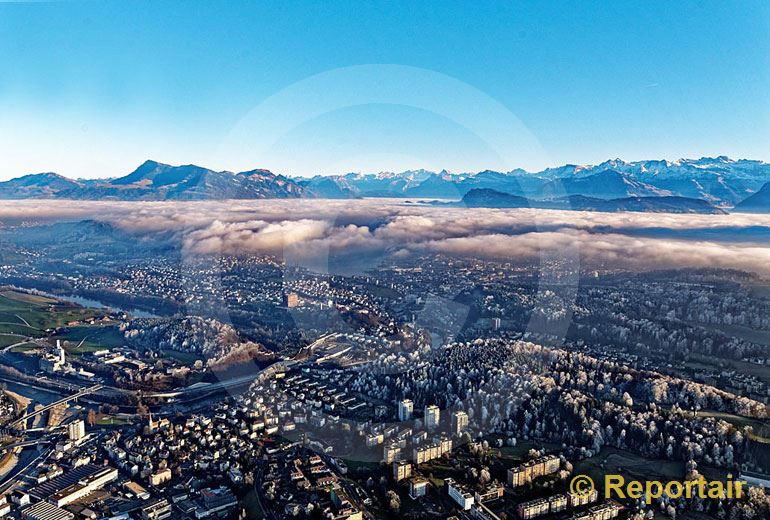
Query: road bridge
point(22, 421)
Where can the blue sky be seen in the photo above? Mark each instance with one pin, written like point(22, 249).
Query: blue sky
point(91, 89)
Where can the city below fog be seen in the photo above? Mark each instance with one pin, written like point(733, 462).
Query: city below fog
point(375, 261)
point(366, 357)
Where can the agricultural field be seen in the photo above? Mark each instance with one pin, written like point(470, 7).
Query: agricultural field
point(760, 290)
point(90, 338)
point(513, 455)
point(6, 340)
point(738, 331)
point(634, 467)
point(24, 317)
point(761, 372)
point(24, 347)
point(33, 315)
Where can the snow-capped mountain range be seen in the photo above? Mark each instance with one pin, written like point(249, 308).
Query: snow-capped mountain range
point(720, 181)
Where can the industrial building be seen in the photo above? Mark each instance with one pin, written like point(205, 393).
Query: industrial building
point(45, 511)
point(74, 485)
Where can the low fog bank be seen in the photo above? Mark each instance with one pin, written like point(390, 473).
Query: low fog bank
point(312, 229)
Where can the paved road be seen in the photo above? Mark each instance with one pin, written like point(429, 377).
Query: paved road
point(26, 322)
point(26, 444)
point(10, 479)
point(81, 393)
point(259, 492)
point(16, 324)
point(9, 347)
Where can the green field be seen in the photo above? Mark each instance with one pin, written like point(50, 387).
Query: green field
point(24, 316)
point(631, 466)
point(32, 299)
point(93, 338)
point(761, 372)
point(761, 337)
point(437, 470)
point(31, 315)
point(760, 428)
point(8, 340)
point(355, 465)
point(24, 347)
point(760, 291)
point(110, 420)
point(738, 331)
point(519, 453)
point(19, 329)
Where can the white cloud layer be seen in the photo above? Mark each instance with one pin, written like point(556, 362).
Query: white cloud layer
point(316, 229)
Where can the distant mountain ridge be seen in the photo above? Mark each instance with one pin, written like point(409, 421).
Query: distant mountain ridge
point(36, 185)
point(757, 203)
point(488, 198)
point(720, 181)
point(157, 181)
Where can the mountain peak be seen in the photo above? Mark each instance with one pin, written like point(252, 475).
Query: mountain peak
point(613, 163)
point(42, 175)
point(759, 202)
point(718, 180)
point(264, 175)
point(149, 163)
point(723, 159)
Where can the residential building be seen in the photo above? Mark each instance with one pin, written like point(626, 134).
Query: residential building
point(402, 469)
point(459, 422)
point(5, 507)
point(605, 511)
point(432, 416)
point(405, 410)
point(533, 509)
point(391, 453)
point(459, 494)
point(527, 472)
point(292, 300)
point(576, 500)
point(491, 492)
point(160, 477)
point(76, 430)
point(431, 451)
point(418, 487)
point(374, 439)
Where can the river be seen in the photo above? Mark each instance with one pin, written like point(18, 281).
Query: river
point(36, 394)
point(86, 302)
